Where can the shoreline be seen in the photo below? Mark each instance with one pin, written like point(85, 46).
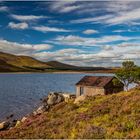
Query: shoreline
point(55, 72)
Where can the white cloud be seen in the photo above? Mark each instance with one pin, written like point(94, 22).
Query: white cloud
point(49, 29)
point(134, 23)
point(105, 57)
point(125, 17)
point(124, 51)
point(4, 9)
point(64, 6)
point(82, 41)
point(40, 47)
point(92, 7)
point(69, 9)
point(120, 31)
point(70, 40)
point(126, 44)
point(59, 4)
point(22, 49)
point(107, 47)
point(20, 26)
point(120, 6)
point(27, 17)
point(108, 55)
point(112, 19)
point(93, 19)
point(59, 55)
point(111, 12)
point(90, 31)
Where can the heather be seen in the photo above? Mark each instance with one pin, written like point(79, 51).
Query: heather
point(110, 116)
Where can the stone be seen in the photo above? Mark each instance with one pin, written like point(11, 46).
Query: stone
point(66, 100)
point(41, 109)
point(48, 101)
point(44, 100)
point(13, 124)
point(23, 119)
point(67, 97)
point(4, 125)
point(79, 99)
point(54, 98)
point(59, 99)
point(51, 99)
point(18, 123)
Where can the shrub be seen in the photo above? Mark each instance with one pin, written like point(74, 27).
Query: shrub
point(92, 132)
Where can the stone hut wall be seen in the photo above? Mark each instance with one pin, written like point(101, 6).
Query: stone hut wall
point(90, 91)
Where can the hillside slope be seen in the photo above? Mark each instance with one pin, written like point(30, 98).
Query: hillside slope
point(59, 65)
point(63, 66)
point(14, 63)
point(20, 63)
point(110, 116)
point(5, 67)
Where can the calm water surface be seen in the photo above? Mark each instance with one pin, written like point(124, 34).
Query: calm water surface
point(20, 93)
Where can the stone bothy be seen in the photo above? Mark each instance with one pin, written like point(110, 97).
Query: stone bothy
point(98, 85)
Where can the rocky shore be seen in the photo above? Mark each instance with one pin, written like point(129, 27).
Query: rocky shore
point(47, 102)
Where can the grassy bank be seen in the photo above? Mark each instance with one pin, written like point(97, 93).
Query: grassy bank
point(111, 116)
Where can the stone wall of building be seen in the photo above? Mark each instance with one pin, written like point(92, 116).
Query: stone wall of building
point(77, 91)
point(90, 91)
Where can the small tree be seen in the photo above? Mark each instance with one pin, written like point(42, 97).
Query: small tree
point(128, 74)
point(128, 65)
point(137, 76)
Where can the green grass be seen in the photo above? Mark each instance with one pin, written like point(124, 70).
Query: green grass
point(111, 116)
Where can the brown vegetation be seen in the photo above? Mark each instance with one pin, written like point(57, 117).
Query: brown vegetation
point(110, 116)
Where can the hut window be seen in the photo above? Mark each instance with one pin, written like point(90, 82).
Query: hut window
point(81, 90)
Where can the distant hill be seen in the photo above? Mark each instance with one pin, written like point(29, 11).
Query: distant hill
point(59, 65)
point(63, 66)
point(11, 62)
point(5, 67)
point(14, 63)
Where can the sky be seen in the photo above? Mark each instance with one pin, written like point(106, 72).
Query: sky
point(82, 33)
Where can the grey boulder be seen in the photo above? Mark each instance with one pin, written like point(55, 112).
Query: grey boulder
point(41, 109)
point(54, 98)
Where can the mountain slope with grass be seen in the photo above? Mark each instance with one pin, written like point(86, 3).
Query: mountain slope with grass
point(63, 66)
point(14, 63)
point(110, 116)
point(20, 63)
point(5, 67)
point(59, 65)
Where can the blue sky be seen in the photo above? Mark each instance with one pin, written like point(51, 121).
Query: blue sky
point(85, 33)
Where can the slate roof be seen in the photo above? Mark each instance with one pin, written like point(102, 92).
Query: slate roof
point(98, 81)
